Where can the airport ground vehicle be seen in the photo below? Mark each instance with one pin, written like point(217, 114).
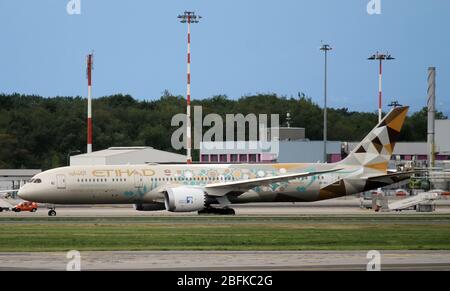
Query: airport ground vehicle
point(26, 206)
point(401, 193)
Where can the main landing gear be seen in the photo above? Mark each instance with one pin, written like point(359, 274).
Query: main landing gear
point(219, 211)
point(51, 211)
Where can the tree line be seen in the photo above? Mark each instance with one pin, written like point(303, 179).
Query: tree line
point(39, 132)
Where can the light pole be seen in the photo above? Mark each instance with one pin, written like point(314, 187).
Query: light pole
point(325, 48)
point(380, 58)
point(70, 153)
point(188, 17)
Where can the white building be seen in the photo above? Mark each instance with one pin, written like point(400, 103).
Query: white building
point(442, 138)
point(126, 155)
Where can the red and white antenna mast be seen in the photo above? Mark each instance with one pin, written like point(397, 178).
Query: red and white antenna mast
point(90, 62)
point(188, 17)
point(380, 58)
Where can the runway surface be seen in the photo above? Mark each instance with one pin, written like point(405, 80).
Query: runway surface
point(348, 205)
point(228, 260)
point(231, 260)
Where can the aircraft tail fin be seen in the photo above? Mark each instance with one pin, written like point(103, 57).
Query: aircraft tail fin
point(375, 150)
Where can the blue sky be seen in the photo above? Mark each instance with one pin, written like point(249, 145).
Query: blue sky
point(240, 47)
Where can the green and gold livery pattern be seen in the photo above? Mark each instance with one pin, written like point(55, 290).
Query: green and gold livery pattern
point(372, 155)
point(364, 169)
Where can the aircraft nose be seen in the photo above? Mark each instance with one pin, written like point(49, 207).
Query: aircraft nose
point(24, 194)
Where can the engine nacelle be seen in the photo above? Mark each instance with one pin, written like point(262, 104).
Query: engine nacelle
point(185, 199)
point(150, 207)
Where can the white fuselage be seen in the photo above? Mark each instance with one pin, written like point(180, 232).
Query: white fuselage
point(131, 184)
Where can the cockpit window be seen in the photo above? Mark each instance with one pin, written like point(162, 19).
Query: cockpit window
point(37, 180)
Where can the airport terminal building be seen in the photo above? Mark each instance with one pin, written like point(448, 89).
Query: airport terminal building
point(294, 147)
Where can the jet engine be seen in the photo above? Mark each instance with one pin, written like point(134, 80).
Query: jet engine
point(150, 206)
point(185, 199)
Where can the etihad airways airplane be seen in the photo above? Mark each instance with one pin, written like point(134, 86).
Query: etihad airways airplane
point(212, 188)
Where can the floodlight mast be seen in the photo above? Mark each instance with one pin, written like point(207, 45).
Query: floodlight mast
point(380, 58)
point(325, 48)
point(188, 17)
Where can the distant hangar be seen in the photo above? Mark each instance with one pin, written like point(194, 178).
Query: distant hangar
point(126, 155)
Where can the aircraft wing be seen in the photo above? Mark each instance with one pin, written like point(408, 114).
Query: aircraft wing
point(391, 178)
point(221, 189)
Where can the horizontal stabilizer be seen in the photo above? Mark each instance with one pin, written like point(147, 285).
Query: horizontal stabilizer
point(391, 178)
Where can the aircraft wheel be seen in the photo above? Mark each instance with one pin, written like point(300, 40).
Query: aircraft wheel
point(231, 211)
point(33, 210)
point(227, 211)
point(219, 211)
point(51, 212)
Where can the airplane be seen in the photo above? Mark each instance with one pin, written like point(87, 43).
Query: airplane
point(212, 188)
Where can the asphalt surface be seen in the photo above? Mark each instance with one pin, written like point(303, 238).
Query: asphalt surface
point(336, 206)
point(228, 260)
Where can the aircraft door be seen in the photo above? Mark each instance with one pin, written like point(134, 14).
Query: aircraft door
point(138, 181)
point(61, 181)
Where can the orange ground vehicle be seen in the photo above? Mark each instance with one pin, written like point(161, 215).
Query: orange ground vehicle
point(26, 206)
